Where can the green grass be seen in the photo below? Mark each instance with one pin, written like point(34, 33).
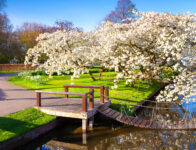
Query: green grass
point(18, 123)
point(136, 94)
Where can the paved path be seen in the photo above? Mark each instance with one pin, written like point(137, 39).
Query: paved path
point(13, 98)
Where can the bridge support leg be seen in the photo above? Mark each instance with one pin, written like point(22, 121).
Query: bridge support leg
point(84, 138)
point(91, 123)
point(84, 125)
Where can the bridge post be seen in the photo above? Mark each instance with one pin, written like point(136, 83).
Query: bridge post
point(84, 138)
point(66, 95)
point(107, 93)
point(102, 94)
point(38, 95)
point(84, 103)
point(84, 125)
point(91, 122)
point(91, 99)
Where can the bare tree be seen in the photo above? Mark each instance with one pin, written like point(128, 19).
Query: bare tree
point(66, 25)
point(122, 12)
point(28, 33)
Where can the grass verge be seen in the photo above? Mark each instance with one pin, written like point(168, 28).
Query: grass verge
point(18, 123)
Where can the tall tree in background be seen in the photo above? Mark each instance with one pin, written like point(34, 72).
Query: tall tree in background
point(66, 25)
point(28, 33)
point(122, 12)
point(5, 30)
point(10, 46)
point(14, 44)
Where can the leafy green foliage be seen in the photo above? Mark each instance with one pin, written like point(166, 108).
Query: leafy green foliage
point(167, 73)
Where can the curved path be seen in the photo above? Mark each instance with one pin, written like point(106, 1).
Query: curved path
point(13, 98)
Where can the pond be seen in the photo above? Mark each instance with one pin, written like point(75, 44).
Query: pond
point(109, 135)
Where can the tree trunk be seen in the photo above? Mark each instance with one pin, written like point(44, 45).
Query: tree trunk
point(91, 75)
point(100, 74)
point(132, 84)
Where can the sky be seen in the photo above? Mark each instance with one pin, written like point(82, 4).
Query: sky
point(86, 14)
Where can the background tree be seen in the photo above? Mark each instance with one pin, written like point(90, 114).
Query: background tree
point(66, 25)
point(122, 13)
point(28, 33)
point(10, 46)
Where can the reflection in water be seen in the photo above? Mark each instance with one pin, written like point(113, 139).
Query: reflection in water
point(169, 112)
point(114, 137)
point(150, 140)
point(133, 138)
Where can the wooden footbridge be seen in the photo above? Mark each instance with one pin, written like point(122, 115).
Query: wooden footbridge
point(80, 108)
point(86, 107)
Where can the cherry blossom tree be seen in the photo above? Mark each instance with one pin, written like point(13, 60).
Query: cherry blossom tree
point(139, 50)
point(154, 41)
point(65, 51)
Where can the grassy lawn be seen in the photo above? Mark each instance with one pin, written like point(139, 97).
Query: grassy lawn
point(123, 94)
point(18, 123)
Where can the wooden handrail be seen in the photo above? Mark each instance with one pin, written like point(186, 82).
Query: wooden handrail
point(63, 93)
point(101, 87)
point(83, 86)
point(84, 97)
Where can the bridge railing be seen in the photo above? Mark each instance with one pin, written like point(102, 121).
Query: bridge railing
point(84, 98)
point(104, 90)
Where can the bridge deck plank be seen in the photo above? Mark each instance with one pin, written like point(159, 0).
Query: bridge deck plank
point(103, 108)
point(111, 113)
point(134, 120)
point(130, 118)
point(139, 122)
point(107, 111)
point(124, 119)
point(119, 117)
point(115, 115)
point(143, 123)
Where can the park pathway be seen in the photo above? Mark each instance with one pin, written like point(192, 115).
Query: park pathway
point(13, 98)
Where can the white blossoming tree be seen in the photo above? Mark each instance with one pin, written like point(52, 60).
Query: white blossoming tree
point(139, 50)
point(148, 44)
point(64, 51)
point(142, 50)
